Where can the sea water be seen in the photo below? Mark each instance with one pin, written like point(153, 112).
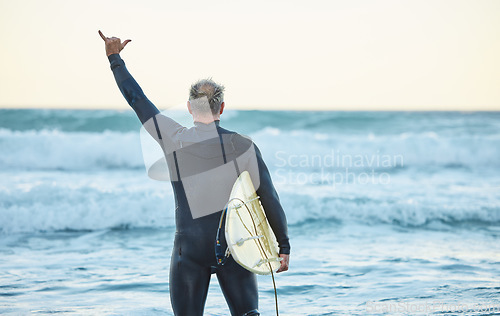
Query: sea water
point(388, 213)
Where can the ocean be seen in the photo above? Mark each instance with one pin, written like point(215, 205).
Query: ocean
point(388, 212)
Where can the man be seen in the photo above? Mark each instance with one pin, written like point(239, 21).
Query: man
point(203, 163)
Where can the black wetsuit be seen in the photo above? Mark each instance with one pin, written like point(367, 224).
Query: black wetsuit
point(193, 258)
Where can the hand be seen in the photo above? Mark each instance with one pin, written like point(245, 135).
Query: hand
point(113, 44)
point(284, 263)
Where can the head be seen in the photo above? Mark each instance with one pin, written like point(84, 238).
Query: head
point(206, 100)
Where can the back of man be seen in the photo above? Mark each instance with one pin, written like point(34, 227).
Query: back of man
point(202, 174)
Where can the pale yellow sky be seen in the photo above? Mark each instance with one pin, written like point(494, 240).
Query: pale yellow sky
point(332, 55)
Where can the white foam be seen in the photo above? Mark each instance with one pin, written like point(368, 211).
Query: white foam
point(76, 201)
point(52, 149)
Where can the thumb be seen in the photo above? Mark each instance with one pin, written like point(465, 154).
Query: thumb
point(125, 43)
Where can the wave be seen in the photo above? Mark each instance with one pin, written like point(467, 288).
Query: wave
point(306, 149)
point(398, 212)
point(52, 206)
point(68, 120)
point(434, 159)
point(56, 150)
point(340, 122)
point(66, 206)
point(79, 139)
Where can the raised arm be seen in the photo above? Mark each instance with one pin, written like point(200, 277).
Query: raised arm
point(162, 128)
point(130, 89)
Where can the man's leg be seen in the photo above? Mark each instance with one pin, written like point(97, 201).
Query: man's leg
point(239, 287)
point(188, 282)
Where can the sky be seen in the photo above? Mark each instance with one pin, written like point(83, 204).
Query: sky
point(270, 54)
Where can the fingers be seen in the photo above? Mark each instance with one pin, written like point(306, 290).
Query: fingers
point(102, 36)
point(284, 267)
point(113, 44)
point(284, 263)
point(125, 43)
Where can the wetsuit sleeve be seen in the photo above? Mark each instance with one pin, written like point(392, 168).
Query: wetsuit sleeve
point(144, 108)
point(131, 90)
point(272, 206)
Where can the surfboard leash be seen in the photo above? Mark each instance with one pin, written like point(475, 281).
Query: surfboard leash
point(220, 254)
point(275, 292)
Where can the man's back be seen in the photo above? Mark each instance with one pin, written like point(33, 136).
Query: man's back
point(206, 160)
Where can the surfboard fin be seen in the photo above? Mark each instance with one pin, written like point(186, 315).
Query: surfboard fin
point(262, 261)
point(242, 240)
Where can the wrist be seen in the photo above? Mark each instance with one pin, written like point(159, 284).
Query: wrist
point(111, 53)
point(114, 56)
point(115, 61)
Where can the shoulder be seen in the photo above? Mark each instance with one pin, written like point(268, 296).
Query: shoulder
point(241, 142)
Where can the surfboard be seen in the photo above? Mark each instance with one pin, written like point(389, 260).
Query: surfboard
point(249, 236)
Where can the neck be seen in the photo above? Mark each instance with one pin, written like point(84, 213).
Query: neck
point(206, 119)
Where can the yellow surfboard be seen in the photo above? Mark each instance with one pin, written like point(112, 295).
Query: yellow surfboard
point(249, 236)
